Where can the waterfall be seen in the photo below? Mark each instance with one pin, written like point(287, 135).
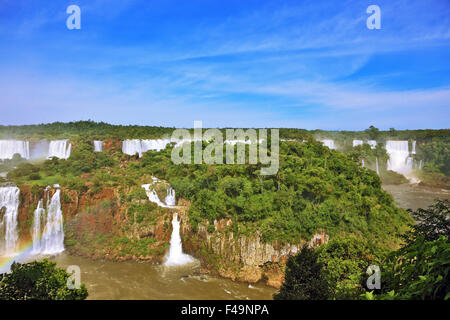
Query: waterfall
point(155, 145)
point(51, 239)
point(328, 143)
point(131, 147)
point(176, 255)
point(372, 143)
point(60, 149)
point(234, 142)
point(376, 164)
point(39, 216)
point(53, 236)
point(413, 147)
point(98, 146)
point(153, 196)
point(362, 163)
point(8, 148)
point(399, 159)
point(170, 198)
point(9, 199)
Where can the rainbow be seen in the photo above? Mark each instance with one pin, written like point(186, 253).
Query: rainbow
point(22, 255)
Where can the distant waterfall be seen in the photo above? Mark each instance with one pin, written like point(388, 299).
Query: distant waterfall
point(328, 143)
point(413, 147)
point(376, 164)
point(8, 148)
point(176, 255)
point(155, 145)
point(51, 239)
point(60, 149)
point(131, 147)
point(372, 143)
point(9, 207)
point(98, 146)
point(362, 163)
point(399, 159)
point(357, 143)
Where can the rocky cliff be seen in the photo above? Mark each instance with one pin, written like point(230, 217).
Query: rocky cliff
point(242, 258)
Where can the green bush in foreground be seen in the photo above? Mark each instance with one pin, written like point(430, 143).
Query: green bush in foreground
point(38, 280)
point(304, 279)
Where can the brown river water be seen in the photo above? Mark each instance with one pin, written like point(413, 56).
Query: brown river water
point(133, 280)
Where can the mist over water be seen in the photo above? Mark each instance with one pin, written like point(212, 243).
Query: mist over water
point(39, 149)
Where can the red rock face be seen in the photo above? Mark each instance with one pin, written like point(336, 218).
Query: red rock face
point(89, 217)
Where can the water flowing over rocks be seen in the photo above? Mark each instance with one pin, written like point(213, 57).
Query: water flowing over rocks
point(9, 205)
point(48, 233)
point(60, 149)
point(176, 255)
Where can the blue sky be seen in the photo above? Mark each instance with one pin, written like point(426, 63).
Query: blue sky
point(303, 64)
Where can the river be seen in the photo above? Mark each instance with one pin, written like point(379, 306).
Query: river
point(133, 280)
point(412, 196)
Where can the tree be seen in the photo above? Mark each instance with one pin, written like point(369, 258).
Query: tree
point(421, 268)
point(373, 132)
point(431, 222)
point(304, 278)
point(38, 280)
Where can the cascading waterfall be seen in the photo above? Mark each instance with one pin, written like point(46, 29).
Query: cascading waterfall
point(376, 164)
point(170, 198)
point(413, 147)
point(328, 143)
point(399, 159)
point(51, 240)
point(9, 199)
point(98, 146)
point(38, 219)
point(176, 255)
point(357, 143)
point(60, 149)
point(153, 196)
point(8, 148)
